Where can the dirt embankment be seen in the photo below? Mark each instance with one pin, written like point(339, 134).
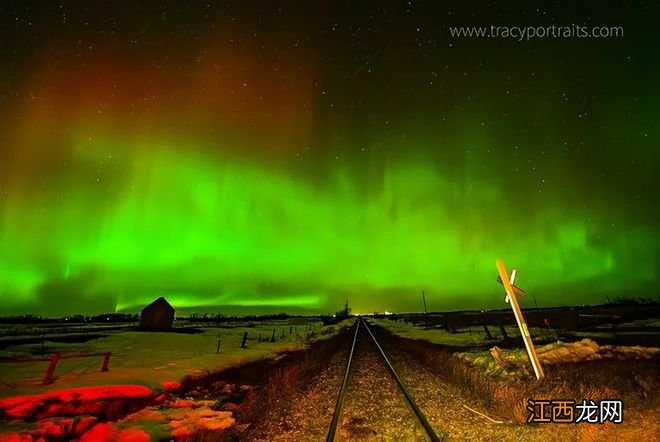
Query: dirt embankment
point(633, 380)
point(215, 406)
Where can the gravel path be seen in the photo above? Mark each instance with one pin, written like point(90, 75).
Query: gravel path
point(375, 409)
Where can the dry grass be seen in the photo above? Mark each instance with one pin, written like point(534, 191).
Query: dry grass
point(284, 382)
point(635, 382)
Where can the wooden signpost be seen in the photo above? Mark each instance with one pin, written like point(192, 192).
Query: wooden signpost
point(511, 292)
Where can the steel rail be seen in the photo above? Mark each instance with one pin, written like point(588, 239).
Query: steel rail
point(332, 431)
point(411, 401)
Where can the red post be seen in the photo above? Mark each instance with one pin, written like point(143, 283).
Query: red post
point(106, 361)
point(51, 368)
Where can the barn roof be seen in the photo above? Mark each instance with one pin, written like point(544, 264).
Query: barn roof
point(159, 303)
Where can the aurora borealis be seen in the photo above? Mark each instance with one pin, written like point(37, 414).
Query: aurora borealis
point(287, 156)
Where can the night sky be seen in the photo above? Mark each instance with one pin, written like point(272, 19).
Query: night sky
point(284, 156)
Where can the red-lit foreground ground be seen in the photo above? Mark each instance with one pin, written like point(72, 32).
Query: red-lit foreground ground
point(52, 409)
point(134, 413)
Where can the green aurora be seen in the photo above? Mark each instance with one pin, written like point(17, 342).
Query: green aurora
point(306, 187)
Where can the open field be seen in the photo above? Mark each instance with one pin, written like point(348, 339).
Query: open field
point(609, 324)
point(145, 358)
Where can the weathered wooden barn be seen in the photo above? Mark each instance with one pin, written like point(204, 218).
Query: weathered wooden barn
point(157, 316)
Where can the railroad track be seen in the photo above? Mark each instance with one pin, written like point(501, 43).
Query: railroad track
point(361, 327)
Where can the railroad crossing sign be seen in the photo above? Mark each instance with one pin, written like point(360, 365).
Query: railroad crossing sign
point(511, 292)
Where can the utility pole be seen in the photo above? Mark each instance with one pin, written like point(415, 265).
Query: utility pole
point(534, 298)
point(511, 292)
point(426, 313)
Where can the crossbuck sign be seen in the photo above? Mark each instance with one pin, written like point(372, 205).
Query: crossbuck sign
point(511, 292)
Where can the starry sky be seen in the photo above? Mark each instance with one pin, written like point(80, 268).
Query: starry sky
point(286, 156)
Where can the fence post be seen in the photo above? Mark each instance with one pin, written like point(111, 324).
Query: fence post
point(43, 346)
point(217, 349)
point(488, 335)
point(106, 361)
point(272, 339)
point(426, 313)
point(244, 340)
point(505, 336)
point(51, 368)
